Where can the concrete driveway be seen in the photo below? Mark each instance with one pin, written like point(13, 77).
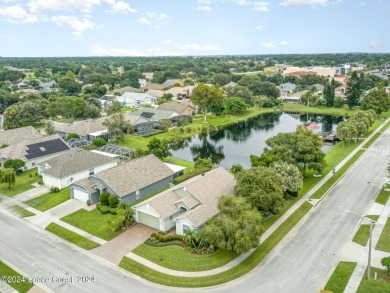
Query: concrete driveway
point(32, 193)
point(66, 208)
point(116, 249)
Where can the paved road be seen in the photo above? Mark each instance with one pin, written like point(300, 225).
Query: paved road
point(304, 260)
point(300, 264)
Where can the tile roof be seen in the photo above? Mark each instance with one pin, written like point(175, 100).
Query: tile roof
point(199, 193)
point(74, 161)
point(134, 175)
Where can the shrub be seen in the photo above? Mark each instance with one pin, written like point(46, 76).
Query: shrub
point(54, 189)
point(104, 198)
point(103, 209)
point(30, 175)
point(386, 263)
point(161, 232)
point(153, 235)
point(15, 164)
point(88, 202)
point(4, 145)
point(189, 175)
point(72, 135)
point(203, 163)
point(188, 129)
point(113, 201)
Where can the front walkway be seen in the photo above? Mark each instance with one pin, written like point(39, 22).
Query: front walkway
point(32, 193)
point(359, 254)
point(117, 248)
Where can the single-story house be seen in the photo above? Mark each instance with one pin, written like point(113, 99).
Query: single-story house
point(287, 87)
point(47, 87)
point(130, 182)
point(341, 90)
point(186, 206)
point(171, 82)
point(87, 130)
point(125, 90)
point(290, 99)
point(23, 86)
point(136, 99)
point(140, 123)
point(153, 114)
point(180, 91)
point(229, 84)
point(106, 99)
point(156, 93)
point(73, 165)
point(153, 86)
point(30, 149)
point(180, 108)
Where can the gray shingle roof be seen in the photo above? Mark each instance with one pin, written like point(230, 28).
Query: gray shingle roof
point(134, 175)
point(74, 161)
point(201, 189)
point(175, 107)
point(155, 114)
point(82, 128)
point(18, 135)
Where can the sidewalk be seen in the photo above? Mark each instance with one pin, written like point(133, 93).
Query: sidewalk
point(359, 254)
point(266, 234)
point(43, 219)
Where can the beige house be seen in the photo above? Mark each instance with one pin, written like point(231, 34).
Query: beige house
point(182, 108)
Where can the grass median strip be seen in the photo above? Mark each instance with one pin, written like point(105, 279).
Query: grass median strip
point(384, 240)
point(22, 212)
point(382, 197)
point(71, 236)
point(340, 277)
point(167, 256)
point(14, 279)
point(362, 235)
point(328, 184)
point(244, 267)
point(378, 286)
point(49, 200)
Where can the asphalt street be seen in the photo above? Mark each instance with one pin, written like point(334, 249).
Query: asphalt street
point(300, 264)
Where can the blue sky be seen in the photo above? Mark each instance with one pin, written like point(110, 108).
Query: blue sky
point(191, 27)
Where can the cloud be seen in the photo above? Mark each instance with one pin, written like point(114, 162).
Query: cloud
point(261, 6)
point(375, 45)
point(143, 20)
point(39, 6)
point(78, 26)
point(168, 42)
point(273, 44)
point(16, 14)
point(259, 28)
point(203, 8)
point(149, 17)
point(120, 7)
point(98, 50)
point(197, 47)
point(305, 2)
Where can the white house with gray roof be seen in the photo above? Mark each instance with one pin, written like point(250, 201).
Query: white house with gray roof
point(74, 165)
point(129, 99)
point(130, 181)
point(186, 206)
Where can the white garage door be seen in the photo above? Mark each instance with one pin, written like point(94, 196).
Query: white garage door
point(80, 195)
point(149, 220)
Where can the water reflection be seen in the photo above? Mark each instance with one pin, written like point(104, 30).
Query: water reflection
point(235, 143)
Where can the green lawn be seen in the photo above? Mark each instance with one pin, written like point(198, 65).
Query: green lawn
point(344, 111)
point(19, 286)
point(382, 197)
point(244, 267)
point(340, 277)
point(168, 256)
point(22, 212)
point(362, 235)
point(23, 183)
point(93, 222)
point(373, 217)
point(71, 236)
point(188, 165)
point(384, 240)
point(328, 184)
point(374, 286)
point(49, 200)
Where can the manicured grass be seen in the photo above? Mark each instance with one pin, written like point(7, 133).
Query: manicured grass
point(382, 197)
point(49, 200)
point(188, 165)
point(244, 267)
point(373, 217)
point(374, 286)
point(19, 286)
point(344, 111)
point(23, 183)
point(328, 184)
point(93, 222)
point(22, 212)
point(384, 240)
point(71, 236)
point(168, 256)
point(340, 277)
point(362, 235)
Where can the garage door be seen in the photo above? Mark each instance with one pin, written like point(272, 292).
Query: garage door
point(149, 220)
point(80, 195)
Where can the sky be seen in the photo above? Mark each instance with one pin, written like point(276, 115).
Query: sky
point(51, 28)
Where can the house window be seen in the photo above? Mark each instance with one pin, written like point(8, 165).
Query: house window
point(91, 171)
point(137, 195)
point(185, 228)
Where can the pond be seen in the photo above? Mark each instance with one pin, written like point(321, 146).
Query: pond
point(235, 143)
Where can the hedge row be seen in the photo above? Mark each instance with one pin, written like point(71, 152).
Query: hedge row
point(189, 175)
point(106, 209)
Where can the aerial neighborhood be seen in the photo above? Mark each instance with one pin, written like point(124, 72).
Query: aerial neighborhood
point(177, 169)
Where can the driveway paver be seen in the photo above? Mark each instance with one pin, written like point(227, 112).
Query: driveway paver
point(120, 246)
